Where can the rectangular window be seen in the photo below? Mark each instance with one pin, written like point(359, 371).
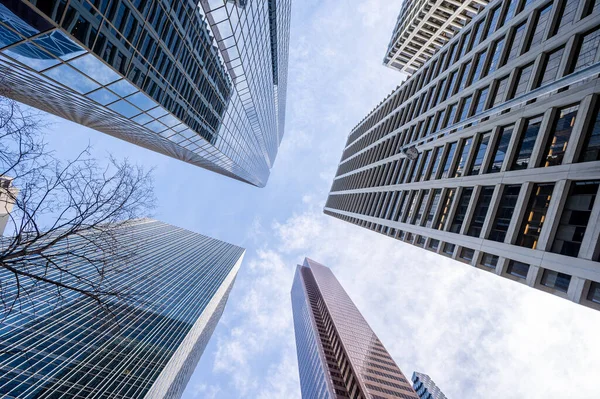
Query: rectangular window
point(588, 48)
point(499, 151)
point(594, 292)
point(506, 208)
point(488, 260)
point(424, 165)
point(556, 280)
point(463, 45)
point(437, 156)
point(477, 34)
point(412, 207)
point(500, 90)
point(496, 60)
point(523, 80)
point(481, 210)
point(446, 204)
point(422, 204)
point(551, 65)
point(535, 215)
point(400, 207)
point(450, 87)
point(591, 144)
point(466, 254)
point(479, 63)
point(540, 23)
point(464, 108)
point(480, 150)
point(448, 248)
point(435, 201)
point(516, 41)
point(591, 7)
point(434, 244)
point(510, 12)
point(451, 115)
point(526, 143)
point(480, 102)
point(560, 134)
point(575, 218)
point(461, 210)
point(420, 241)
point(448, 161)
point(567, 14)
point(465, 146)
point(493, 18)
point(518, 269)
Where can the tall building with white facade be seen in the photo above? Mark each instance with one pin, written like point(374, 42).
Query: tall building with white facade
point(425, 26)
point(8, 194)
point(490, 152)
point(203, 82)
point(425, 387)
point(339, 355)
point(144, 343)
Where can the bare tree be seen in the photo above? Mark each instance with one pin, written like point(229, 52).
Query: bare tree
point(63, 238)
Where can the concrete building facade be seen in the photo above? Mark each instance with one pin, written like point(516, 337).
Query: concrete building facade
point(201, 82)
point(144, 343)
point(425, 387)
point(339, 355)
point(8, 195)
point(490, 152)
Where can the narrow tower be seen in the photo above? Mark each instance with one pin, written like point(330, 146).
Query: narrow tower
point(339, 356)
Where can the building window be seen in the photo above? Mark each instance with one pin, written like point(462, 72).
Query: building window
point(526, 143)
point(434, 244)
point(488, 260)
point(575, 217)
point(506, 208)
point(448, 248)
point(493, 18)
point(446, 203)
point(464, 108)
point(437, 156)
point(466, 254)
point(588, 49)
point(464, 75)
point(451, 115)
point(495, 61)
point(499, 151)
point(591, 144)
point(556, 280)
point(422, 205)
point(479, 63)
point(551, 65)
point(420, 241)
point(465, 147)
point(411, 207)
point(594, 292)
point(477, 34)
point(560, 134)
point(480, 150)
point(523, 80)
point(480, 101)
point(500, 87)
point(518, 269)
point(517, 40)
point(435, 201)
point(535, 215)
point(481, 209)
point(424, 165)
point(461, 210)
point(566, 14)
point(448, 160)
point(591, 7)
point(540, 23)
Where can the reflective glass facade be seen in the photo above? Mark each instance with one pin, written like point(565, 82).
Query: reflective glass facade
point(517, 171)
point(425, 387)
point(204, 84)
point(147, 347)
point(339, 356)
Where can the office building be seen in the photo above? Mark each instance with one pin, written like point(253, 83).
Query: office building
point(490, 152)
point(173, 287)
point(425, 26)
point(201, 82)
point(425, 387)
point(8, 194)
point(339, 356)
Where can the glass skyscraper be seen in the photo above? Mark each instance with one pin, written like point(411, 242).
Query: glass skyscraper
point(339, 356)
point(425, 387)
point(204, 83)
point(148, 345)
point(489, 153)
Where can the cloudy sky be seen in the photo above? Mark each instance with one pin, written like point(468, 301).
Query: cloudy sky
point(477, 335)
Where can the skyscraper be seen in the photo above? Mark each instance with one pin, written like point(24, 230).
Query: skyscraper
point(204, 83)
point(423, 27)
point(425, 387)
point(8, 194)
point(339, 356)
point(490, 152)
point(177, 282)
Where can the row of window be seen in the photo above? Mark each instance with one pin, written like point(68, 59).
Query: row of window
point(551, 279)
point(432, 208)
point(466, 157)
point(483, 63)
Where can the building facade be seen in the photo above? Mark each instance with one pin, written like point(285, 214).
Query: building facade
point(177, 283)
point(490, 152)
point(425, 387)
point(204, 84)
point(423, 27)
point(339, 356)
point(8, 195)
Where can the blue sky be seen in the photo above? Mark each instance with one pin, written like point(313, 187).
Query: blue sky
point(477, 335)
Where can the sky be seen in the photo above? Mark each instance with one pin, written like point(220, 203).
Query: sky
point(476, 334)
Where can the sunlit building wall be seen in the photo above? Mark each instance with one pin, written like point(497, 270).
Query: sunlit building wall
point(339, 356)
point(173, 285)
point(425, 387)
point(490, 153)
point(205, 83)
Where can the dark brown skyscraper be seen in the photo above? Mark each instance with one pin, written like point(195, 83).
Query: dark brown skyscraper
point(339, 356)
